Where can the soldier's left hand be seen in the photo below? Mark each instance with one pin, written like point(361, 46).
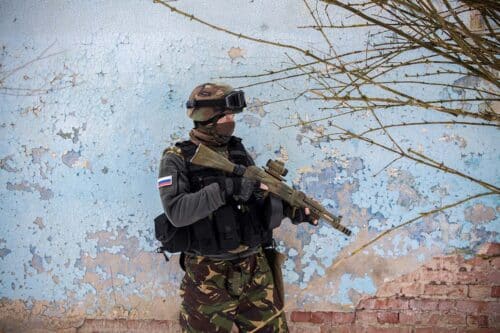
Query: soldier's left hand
point(302, 215)
point(308, 212)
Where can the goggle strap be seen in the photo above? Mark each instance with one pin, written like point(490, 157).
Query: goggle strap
point(206, 103)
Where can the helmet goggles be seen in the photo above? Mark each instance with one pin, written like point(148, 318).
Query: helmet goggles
point(234, 101)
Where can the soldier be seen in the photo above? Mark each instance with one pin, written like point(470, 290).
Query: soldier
point(220, 224)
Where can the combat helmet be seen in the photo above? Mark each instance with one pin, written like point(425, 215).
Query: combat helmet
point(210, 101)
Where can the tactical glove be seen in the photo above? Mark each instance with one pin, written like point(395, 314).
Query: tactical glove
point(298, 215)
point(244, 188)
point(236, 188)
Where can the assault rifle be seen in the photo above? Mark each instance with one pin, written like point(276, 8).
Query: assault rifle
point(272, 176)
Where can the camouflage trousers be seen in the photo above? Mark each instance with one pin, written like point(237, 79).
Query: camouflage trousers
point(217, 293)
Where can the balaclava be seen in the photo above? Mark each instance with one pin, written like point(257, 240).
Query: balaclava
point(206, 129)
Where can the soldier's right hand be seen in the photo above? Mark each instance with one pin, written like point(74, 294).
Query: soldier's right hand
point(243, 188)
point(236, 188)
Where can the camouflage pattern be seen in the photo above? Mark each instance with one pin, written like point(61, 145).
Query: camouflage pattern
point(217, 293)
point(207, 91)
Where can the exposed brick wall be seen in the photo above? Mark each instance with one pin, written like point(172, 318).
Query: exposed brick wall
point(447, 294)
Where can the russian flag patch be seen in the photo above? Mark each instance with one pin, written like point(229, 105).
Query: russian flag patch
point(164, 181)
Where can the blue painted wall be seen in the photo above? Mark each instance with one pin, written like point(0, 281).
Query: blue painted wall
point(92, 92)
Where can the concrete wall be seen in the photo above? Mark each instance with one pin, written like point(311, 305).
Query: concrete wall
point(93, 91)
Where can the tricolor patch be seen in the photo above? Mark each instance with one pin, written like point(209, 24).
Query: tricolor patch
point(164, 181)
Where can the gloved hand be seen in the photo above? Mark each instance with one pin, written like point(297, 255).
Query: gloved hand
point(236, 188)
point(243, 188)
point(302, 215)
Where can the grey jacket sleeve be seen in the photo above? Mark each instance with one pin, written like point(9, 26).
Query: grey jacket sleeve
point(180, 205)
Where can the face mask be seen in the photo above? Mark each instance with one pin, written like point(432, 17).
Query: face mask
point(225, 129)
point(213, 134)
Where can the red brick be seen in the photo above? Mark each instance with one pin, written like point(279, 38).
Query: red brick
point(343, 317)
point(495, 291)
point(436, 318)
point(409, 318)
point(494, 320)
point(438, 277)
point(477, 321)
point(472, 306)
point(424, 304)
point(439, 318)
point(447, 305)
point(395, 304)
point(477, 330)
point(472, 277)
point(445, 330)
point(417, 317)
point(304, 328)
point(423, 330)
point(412, 289)
point(432, 329)
point(368, 317)
point(376, 329)
point(357, 329)
point(454, 318)
point(475, 277)
point(366, 303)
point(388, 317)
point(445, 290)
point(490, 249)
point(479, 292)
point(477, 264)
point(432, 318)
point(320, 317)
point(493, 307)
point(301, 316)
point(338, 329)
point(495, 263)
point(447, 263)
point(383, 303)
point(493, 277)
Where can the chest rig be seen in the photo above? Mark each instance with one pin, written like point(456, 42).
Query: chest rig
point(231, 225)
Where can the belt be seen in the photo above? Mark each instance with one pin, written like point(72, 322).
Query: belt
point(231, 256)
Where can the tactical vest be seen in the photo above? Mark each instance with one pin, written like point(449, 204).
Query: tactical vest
point(229, 226)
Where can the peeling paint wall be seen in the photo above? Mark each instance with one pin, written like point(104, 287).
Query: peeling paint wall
point(91, 94)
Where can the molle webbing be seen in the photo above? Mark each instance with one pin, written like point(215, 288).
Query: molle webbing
point(229, 226)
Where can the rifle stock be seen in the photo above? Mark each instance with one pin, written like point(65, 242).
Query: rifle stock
point(206, 157)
